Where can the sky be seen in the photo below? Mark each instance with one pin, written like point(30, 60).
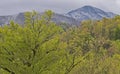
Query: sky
point(9, 7)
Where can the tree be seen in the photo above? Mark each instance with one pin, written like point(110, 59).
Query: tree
point(32, 48)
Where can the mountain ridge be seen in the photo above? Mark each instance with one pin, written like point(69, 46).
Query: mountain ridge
point(73, 17)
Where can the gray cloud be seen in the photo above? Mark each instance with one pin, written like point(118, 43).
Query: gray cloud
point(60, 6)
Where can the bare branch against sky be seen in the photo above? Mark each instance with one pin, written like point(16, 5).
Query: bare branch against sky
point(59, 6)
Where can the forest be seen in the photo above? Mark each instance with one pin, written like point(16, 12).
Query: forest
point(40, 46)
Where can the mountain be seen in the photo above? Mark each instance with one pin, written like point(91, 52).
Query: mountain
point(18, 18)
point(73, 17)
point(89, 12)
point(4, 19)
point(57, 18)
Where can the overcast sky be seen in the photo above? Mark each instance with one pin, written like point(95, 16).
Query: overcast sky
point(8, 7)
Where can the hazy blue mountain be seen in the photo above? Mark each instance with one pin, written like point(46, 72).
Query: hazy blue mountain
point(73, 17)
point(89, 12)
point(18, 18)
point(4, 19)
point(57, 18)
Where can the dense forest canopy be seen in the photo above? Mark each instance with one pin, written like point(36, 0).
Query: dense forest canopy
point(42, 47)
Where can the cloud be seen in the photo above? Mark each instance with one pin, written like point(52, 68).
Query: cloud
point(118, 2)
point(60, 6)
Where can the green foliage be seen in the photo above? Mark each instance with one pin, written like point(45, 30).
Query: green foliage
point(42, 47)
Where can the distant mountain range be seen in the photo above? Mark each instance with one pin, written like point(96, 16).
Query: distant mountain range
point(73, 17)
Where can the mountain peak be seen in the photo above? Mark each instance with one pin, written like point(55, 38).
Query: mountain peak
point(89, 12)
point(87, 6)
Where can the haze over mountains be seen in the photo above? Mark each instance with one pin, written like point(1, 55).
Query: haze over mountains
point(73, 17)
